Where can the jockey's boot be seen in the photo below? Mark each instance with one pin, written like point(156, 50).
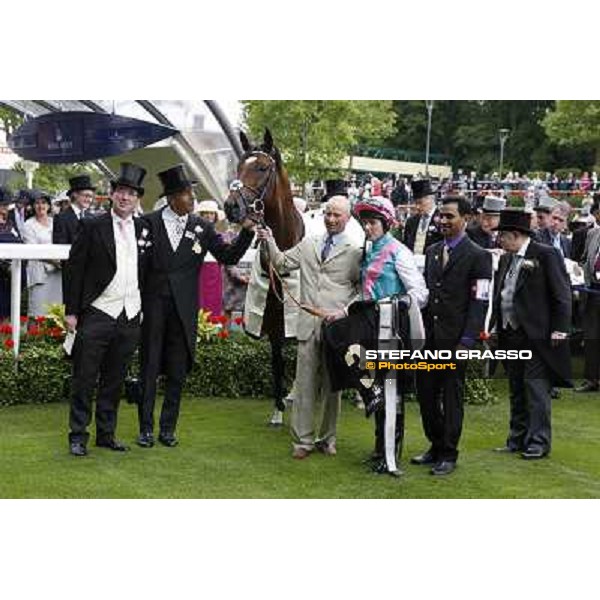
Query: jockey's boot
point(276, 419)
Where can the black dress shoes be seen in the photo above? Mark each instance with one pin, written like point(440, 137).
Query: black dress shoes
point(586, 387)
point(78, 449)
point(168, 439)
point(444, 467)
point(426, 458)
point(112, 445)
point(145, 440)
point(534, 453)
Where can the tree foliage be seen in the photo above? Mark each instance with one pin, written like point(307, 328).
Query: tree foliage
point(315, 135)
point(575, 123)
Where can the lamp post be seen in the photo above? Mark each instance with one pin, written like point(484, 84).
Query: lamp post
point(503, 133)
point(429, 105)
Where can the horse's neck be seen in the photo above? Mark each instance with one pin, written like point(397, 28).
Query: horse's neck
point(282, 217)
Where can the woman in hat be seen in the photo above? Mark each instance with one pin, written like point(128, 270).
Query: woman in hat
point(210, 274)
point(44, 280)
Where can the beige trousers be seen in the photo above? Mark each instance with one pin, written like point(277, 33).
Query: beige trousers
point(313, 385)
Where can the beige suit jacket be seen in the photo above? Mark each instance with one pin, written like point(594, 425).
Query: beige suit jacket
point(329, 285)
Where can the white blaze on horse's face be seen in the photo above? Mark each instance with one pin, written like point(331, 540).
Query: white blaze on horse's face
point(250, 160)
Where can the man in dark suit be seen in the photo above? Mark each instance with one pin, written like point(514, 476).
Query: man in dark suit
point(553, 235)
point(532, 311)
point(82, 194)
point(422, 229)
point(22, 210)
point(66, 223)
point(482, 230)
point(103, 303)
point(591, 318)
point(458, 274)
point(170, 299)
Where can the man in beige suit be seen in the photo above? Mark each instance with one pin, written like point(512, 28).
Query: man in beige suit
point(329, 280)
point(591, 320)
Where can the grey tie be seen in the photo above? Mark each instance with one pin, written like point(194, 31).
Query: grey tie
point(326, 248)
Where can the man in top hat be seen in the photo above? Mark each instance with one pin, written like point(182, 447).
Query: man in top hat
point(170, 300)
point(482, 230)
point(82, 193)
point(591, 319)
point(102, 304)
point(532, 311)
point(458, 274)
point(543, 209)
point(334, 187)
point(422, 229)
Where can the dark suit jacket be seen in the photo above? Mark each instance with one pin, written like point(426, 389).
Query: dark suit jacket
point(176, 273)
point(565, 243)
point(65, 226)
point(542, 304)
point(92, 262)
point(410, 231)
point(453, 311)
point(578, 243)
point(480, 237)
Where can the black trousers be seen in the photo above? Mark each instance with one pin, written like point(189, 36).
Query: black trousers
point(530, 401)
point(591, 335)
point(164, 350)
point(440, 395)
point(101, 355)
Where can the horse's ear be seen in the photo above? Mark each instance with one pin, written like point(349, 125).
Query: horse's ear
point(268, 141)
point(245, 141)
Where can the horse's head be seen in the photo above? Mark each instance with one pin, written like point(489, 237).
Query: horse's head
point(257, 174)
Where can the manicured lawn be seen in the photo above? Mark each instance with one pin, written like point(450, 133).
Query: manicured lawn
point(227, 451)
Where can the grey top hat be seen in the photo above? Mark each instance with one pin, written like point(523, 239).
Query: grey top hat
point(492, 205)
point(546, 203)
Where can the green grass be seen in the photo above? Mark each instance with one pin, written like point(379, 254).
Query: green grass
point(227, 451)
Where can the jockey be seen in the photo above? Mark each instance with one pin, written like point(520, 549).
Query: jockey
point(388, 270)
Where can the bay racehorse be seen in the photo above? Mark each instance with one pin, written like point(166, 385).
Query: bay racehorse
point(262, 192)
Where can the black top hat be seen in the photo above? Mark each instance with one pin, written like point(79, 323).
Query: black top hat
point(131, 176)
point(24, 196)
point(421, 188)
point(6, 196)
point(80, 182)
point(175, 180)
point(514, 219)
point(334, 187)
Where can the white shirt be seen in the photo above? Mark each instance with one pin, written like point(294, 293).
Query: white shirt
point(123, 292)
point(175, 226)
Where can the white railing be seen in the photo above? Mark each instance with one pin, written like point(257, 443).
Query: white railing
point(17, 253)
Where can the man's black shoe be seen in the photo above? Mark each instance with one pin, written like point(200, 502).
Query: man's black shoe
point(112, 445)
point(78, 449)
point(423, 459)
point(145, 440)
point(554, 393)
point(168, 439)
point(444, 467)
point(534, 453)
point(586, 387)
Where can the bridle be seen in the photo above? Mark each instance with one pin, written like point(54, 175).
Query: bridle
point(253, 200)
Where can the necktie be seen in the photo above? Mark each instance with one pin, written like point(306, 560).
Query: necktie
point(445, 256)
point(423, 223)
point(326, 248)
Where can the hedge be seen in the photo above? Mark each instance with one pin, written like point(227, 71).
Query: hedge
point(230, 367)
